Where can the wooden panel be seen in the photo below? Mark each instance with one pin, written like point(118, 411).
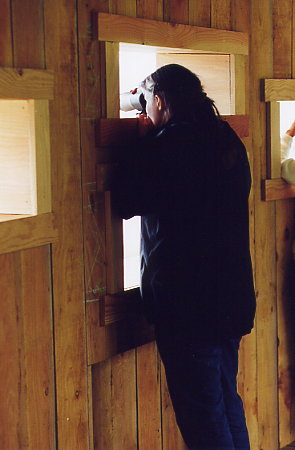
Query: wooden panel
point(221, 14)
point(27, 232)
point(67, 253)
point(26, 373)
point(118, 28)
point(148, 398)
point(282, 38)
point(199, 13)
point(152, 9)
point(6, 56)
point(284, 33)
point(115, 395)
point(279, 90)
point(28, 33)
point(176, 11)
point(265, 272)
point(26, 83)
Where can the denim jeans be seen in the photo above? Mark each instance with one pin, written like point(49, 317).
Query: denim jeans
point(201, 378)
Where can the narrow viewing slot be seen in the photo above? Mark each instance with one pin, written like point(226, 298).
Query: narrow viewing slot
point(136, 62)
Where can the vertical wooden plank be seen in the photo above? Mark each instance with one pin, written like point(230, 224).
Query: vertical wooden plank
point(221, 14)
point(28, 33)
point(148, 398)
point(247, 377)
point(176, 11)
point(124, 7)
point(261, 67)
point(282, 42)
point(273, 150)
point(27, 369)
point(152, 9)
point(6, 54)
point(67, 256)
point(199, 13)
point(114, 408)
point(285, 225)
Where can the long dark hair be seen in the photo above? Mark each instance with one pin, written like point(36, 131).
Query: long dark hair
point(183, 93)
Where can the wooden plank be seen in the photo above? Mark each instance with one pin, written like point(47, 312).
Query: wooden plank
point(125, 7)
point(28, 33)
point(67, 253)
point(148, 398)
point(28, 232)
point(152, 9)
point(26, 83)
point(176, 11)
point(282, 38)
point(43, 156)
point(112, 27)
point(274, 141)
point(27, 369)
point(221, 14)
point(247, 375)
point(199, 13)
point(265, 266)
point(277, 189)
point(276, 90)
point(6, 53)
point(115, 395)
point(92, 105)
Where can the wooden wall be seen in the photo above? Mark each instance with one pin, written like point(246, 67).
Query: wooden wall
point(59, 387)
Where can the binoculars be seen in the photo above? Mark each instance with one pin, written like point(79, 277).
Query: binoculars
point(129, 101)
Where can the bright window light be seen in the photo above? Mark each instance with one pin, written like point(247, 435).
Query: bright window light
point(287, 116)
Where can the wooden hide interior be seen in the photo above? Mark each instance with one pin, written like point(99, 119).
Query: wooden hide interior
point(79, 367)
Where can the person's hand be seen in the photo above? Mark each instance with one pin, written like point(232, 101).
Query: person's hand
point(145, 125)
point(291, 131)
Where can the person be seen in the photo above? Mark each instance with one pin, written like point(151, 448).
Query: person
point(189, 180)
point(287, 157)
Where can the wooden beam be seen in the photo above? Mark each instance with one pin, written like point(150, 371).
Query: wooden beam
point(117, 28)
point(27, 232)
point(26, 83)
point(277, 90)
point(277, 189)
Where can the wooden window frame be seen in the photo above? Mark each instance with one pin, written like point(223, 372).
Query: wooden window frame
point(35, 86)
point(276, 90)
point(111, 29)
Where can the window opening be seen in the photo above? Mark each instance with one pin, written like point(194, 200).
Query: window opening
point(17, 159)
point(135, 63)
point(287, 116)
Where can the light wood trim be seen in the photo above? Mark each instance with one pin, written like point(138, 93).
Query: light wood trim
point(277, 189)
point(118, 28)
point(26, 83)
point(274, 144)
point(42, 159)
point(276, 90)
point(27, 232)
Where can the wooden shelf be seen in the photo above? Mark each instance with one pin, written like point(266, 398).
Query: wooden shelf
point(277, 189)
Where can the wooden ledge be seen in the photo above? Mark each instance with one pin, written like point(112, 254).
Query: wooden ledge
point(26, 84)
point(276, 90)
point(118, 28)
point(276, 189)
point(27, 232)
point(117, 307)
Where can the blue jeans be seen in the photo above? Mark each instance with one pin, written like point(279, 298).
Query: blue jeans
point(201, 378)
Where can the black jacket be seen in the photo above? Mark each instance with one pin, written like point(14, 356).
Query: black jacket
point(191, 187)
